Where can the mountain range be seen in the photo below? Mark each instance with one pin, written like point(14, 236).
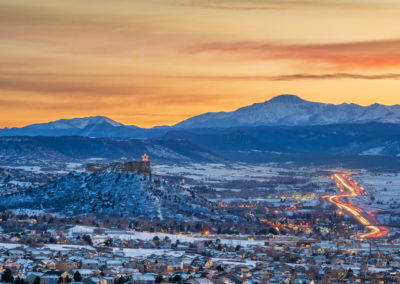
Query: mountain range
point(368, 145)
point(292, 110)
point(283, 110)
point(94, 126)
point(283, 129)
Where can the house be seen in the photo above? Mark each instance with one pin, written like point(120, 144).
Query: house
point(13, 265)
point(201, 281)
point(47, 263)
point(224, 280)
point(109, 279)
point(66, 265)
point(85, 273)
point(50, 277)
point(94, 280)
point(15, 253)
point(160, 267)
point(139, 278)
point(114, 263)
point(89, 264)
point(238, 280)
point(30, 278)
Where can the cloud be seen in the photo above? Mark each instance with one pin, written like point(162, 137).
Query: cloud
point(367, 54)
point(89, 86)
point(294, 77)
point(72, 91)
point(52, 105)
point(224, 5)
point(59, 87)
point(254, 5)
point(56, 30)
point(103, 84)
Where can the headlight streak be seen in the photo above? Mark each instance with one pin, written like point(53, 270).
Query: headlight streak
point(365, 218)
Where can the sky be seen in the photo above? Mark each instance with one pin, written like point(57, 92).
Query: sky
point(158, 62)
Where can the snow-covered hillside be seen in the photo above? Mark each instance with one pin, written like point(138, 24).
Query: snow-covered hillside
point(113, 193)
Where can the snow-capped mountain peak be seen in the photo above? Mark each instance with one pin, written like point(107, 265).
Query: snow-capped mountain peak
point(77, 123)
point(283, 110)
point(288, 99)
point(293, 110)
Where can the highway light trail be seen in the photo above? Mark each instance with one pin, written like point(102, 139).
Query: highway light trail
point(350, 188)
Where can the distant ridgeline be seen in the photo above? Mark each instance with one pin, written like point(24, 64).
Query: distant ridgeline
point(137, 167)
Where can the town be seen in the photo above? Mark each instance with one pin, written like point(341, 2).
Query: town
point(97, 255)
point(199, 141)
point(273, 226)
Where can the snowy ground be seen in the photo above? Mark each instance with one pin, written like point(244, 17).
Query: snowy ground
point(230, 261)
point(147, 252)
point(378, 183)
point(207, 172)
point(28, 212)
point(57, 247)
point(10, 246)
point(385, 189)
point(130, 235)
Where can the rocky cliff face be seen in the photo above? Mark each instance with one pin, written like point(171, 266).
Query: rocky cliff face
point(136, 167)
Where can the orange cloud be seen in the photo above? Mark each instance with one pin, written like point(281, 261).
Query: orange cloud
point(251, 5)
point(342, 56)
point(293, 77)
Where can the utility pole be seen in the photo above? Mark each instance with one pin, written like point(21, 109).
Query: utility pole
point(370, 247)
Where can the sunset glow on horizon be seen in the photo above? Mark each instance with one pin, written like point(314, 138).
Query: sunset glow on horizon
point(158, 62)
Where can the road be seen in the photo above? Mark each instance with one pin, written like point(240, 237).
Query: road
point(350, 188)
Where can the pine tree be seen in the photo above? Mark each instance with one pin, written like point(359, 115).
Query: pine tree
point(176, 279)
point(7, 276)
point(77, 276)
point(159, 279)
point(121, 280)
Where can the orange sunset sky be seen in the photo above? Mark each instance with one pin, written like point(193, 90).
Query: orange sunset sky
point(157, 62)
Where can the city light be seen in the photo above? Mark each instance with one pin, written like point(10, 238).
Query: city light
point(366, 219)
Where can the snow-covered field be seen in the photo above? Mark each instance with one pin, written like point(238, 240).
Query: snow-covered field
point(35, 169)
point(28, 212)
point(130, 235)
point(10, 246)
point(230, 261)
point(207, 171)
point(384, 187)
point(380, 182)
point(57, 247)
point(384, 195)
point(147, 252)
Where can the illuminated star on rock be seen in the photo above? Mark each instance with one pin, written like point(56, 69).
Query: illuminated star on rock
point(145, 158)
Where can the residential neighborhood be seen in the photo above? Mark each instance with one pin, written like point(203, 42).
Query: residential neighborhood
point(150, 258)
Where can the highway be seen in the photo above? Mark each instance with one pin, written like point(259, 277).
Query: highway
point(349, 189)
